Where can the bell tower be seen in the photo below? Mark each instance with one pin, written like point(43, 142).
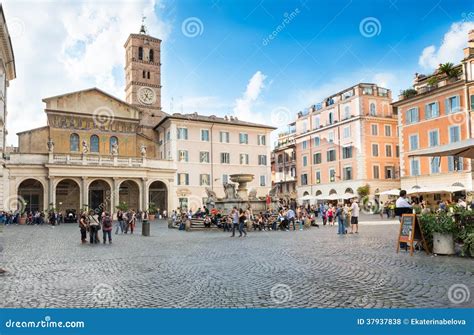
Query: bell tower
point(143, 76)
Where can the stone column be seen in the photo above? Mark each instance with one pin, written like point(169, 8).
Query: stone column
point(115, 195)
point(51, 193)
point(85, 192)
point(145, 195)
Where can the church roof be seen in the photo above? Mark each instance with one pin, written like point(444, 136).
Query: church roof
point(233, 121)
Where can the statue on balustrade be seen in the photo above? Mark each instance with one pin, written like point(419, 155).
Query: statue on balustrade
point(143, 150)
point(114, 149)
point(85, 147)
point(50, 144)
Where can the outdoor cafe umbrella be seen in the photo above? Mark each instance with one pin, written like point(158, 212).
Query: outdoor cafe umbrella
point(463, 148)
point(394, 191)
point(308, 197)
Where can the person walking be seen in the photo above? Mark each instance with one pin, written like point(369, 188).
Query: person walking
point(119, 222)
point(290, 215)
point(107, 228)
point(83, 228)
point(131, 221)
point(93, 229)
point(341, 218)
point(242, 220)
point(235, 220)
point(354, 217)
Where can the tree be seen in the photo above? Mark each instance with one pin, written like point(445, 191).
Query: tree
point(449, 70)
point(363, 191)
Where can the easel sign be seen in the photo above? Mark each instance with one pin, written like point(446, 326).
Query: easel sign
point(410, 232)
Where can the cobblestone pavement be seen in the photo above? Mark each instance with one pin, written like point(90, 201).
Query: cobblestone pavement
point(315, 268)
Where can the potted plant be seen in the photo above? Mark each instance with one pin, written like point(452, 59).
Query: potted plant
point(408, 93)
point(440, 230)
point(152, 211)
point(450, 71)
point(122, 206)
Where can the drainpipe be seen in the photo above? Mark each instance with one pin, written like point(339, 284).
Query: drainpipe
point(212, 158)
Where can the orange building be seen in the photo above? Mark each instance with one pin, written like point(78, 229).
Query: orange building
point(348, 141)
point(435, 112)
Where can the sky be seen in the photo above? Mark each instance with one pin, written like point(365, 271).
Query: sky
point(262, 61)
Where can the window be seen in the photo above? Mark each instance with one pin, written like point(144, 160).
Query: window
point(388, 150)
point(346, 152)
point(434, 164)
point(183, 179)
point(374, 129)
point(263, 180)
point(305, 145)
point(183, 155)
point(347, 112)
point(144, 74)
point(183, 203)
point(280, 158)
point(389, 172)
point(397, 150)
point(412, 116)
point(204, 179)
point(225, 178)
point(453, 105)
point(168, 136)
point(182, 133)
point(262, 159)
point(150, 55)
point(331, 137)
point(318, 177)
point(304, 179)
point(140, 53)
point(376, 172)
point(383, 92)
point(414, 142)
point(332, 175)
point(431, 110)
point(388, 130)
point(113, 143)
point(316, 122)
point(317, 158)
point(433, 138)
point(346, 133)
point(317, 141)
point(305, 160)
point(74, 142)
point(347, 173)
point(375, 150)
point(243, 138)
point(204, 157)
point(373, 112)
point(367, 91)
point(331, 117)
point(261, 139)
point(331, 155)
point(244, 159)
point(454, 134)
point(224, 136)
point(455, 163)
point(415, 167)
point(94, 143)
point(225, 158)
point(148, 74)
point(472, 102)
point(205, 135)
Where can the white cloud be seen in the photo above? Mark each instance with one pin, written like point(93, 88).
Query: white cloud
point(64, 46)
point(244, 104)
point(451, 48)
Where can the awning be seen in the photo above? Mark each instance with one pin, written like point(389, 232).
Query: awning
point(394, 191)
point(307, 197)
point(435, 189)
point(463, 148)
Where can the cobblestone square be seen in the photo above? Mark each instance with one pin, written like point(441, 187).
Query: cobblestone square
point(316, 268)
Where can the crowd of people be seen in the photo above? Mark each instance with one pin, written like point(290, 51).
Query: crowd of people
point(32, 217)
point(284, 218)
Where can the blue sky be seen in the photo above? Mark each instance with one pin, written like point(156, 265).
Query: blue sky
point(228, 64)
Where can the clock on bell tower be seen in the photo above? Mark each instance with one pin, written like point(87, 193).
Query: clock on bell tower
point(143, 76)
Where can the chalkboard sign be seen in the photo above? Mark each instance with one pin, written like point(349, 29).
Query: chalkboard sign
point(410, 232)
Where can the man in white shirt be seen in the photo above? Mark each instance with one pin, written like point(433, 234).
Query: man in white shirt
point(354, 217)
point(402, 201)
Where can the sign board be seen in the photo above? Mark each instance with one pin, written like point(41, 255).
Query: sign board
point(410, 232)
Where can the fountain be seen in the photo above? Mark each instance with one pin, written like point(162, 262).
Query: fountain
point(240, 197)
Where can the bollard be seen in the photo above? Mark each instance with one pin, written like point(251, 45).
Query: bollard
point(188, 225)
point(146, 228)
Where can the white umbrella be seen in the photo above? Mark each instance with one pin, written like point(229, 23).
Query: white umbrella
point(346, 196)
point(308, 197)
point(394, 191)
point(453, 189)
point(423, 189)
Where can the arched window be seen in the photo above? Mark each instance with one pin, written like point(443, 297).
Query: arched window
point(74, 142)
point(372, 109)
point(151, 55)
point(113, 142)
point(140, 53)
point(144, 74)
point(148, 74)
point(94, 143)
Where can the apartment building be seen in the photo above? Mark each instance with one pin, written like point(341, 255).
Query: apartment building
point(437, 111)
point(347, 141)
point(284, 165)
point(208, 149)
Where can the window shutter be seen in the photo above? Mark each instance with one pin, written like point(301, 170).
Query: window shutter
point(447, 110)
point(458, 103)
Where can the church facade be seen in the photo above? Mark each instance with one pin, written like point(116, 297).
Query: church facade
point(97, 151)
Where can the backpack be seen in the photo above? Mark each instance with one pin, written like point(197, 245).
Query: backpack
point(107, 222)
